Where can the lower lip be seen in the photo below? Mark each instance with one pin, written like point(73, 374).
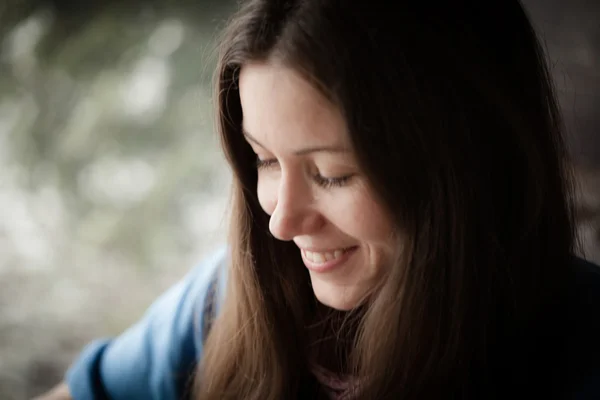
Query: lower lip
point(328, 265)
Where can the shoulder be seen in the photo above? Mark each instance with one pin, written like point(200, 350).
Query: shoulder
point(185, 302)
point(560, 356)
point(587, 273)
point(583, 327)
point(209, 294)
point(153, 358)
point(585, 297)
point(210, 274)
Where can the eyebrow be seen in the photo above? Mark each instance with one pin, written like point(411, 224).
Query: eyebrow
point(304, 151)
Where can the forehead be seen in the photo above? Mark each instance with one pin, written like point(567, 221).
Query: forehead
point(282, 110)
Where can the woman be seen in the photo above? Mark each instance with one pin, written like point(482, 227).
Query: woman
point(402, 224)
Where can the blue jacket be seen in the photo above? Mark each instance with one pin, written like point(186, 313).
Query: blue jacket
point(155, 358)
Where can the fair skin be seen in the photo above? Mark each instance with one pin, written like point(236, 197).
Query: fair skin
point(310, 184)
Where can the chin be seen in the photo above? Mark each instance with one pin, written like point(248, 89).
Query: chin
point(341, 299)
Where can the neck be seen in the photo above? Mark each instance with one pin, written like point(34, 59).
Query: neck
point(332, 336)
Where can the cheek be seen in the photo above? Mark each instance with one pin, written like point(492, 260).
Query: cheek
point(266, 190)
point(364, 218)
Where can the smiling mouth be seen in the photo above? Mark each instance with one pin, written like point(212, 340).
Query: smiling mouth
point(321, 257)
point(325, 261)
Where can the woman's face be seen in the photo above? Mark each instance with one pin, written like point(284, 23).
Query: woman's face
point(310, 184)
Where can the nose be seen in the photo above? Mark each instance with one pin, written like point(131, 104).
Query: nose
point(294, 212)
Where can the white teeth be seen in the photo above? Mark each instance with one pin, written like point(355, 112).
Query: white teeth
point(320, 258)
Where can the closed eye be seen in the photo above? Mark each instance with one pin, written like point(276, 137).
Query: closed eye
point(265, 164)
point(323, 181)
point(328, 183)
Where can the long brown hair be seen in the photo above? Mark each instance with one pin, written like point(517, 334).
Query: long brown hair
point(453, 117)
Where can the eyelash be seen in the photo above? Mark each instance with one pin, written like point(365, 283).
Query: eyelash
point(322, 181)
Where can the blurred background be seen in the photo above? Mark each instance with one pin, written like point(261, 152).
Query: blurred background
point(111, 181)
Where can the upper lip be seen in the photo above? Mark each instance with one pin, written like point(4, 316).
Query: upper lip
point(321, 250)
